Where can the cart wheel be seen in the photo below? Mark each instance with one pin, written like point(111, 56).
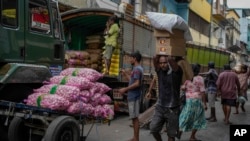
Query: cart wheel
point(63, 128)
point(17, 130)
point(143, 101)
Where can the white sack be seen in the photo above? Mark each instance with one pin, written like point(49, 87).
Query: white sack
point(163, 21)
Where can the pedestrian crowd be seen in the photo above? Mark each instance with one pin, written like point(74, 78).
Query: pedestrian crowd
point(174, 76)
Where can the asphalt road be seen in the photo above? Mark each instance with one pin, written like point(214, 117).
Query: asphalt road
point(119, 129)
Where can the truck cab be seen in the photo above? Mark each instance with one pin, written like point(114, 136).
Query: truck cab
point(31, 48)
point(32, 43)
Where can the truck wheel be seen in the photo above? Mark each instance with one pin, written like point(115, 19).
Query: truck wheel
point(63, 128)
point(17, 130)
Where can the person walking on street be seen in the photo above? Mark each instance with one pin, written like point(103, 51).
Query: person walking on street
point(243, 76)
point(192, 117)
point(110, 34)
point(134, 91)
point(167, 108)
point(211, 89)
point(228, 85)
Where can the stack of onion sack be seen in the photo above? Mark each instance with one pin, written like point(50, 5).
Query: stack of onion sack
point(95, 58)
point(94, 47)
point(76, 91)
point(77, 59)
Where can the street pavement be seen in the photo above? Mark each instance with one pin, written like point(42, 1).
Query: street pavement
point(119, 129)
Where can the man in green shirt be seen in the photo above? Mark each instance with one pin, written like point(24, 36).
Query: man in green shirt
point(111, 34)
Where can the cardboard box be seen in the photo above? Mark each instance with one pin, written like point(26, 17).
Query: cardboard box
point(163, 33)
point(170, 46)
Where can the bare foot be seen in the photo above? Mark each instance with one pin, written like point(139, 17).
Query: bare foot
point(106, 73)
point(193, 139)
point(228, 123)
point(236, 112)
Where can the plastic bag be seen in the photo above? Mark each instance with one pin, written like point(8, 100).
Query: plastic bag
point(163, 21)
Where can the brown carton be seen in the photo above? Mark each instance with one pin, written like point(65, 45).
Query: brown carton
point(170, 46)
point(163, 33)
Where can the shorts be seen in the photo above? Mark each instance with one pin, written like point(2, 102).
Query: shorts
point(211, 99)
point(241, 99)
point(134, 108)
point(108, 51)
point(162, 115)
point(229, 102)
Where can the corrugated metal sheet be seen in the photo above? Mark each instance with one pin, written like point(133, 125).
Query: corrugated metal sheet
point(127, 36)
point(143, 41)
point(138, 38)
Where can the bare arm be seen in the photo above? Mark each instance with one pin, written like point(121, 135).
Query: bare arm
point(173, 63)
point(204, 100)
point(156, 62)
point(130, 87)
point(133, 86)
point(124, 73)
point(152, 84)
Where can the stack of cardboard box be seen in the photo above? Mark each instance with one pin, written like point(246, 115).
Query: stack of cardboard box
point(128, 8)
point(167, 43)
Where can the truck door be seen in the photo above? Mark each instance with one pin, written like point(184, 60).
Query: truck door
point(43, 43)
point(11, 31)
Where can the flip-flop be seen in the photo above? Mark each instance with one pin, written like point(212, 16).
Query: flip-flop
point(243, 109)
point(179, 133)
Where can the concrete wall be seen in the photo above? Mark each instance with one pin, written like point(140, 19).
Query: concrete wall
point(202, 8)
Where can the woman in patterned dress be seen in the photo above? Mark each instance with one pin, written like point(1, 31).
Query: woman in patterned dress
point(192, 117)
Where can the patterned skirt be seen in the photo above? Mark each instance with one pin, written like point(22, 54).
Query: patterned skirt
point(192, 116)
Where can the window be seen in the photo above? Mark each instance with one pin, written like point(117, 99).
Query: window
point(198, 24)
point(9, 13)
point(116, 1)
point(56, 23)
point(39, 16)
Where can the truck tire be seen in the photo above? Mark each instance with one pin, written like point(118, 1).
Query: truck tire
point(17, 130)
point(63, 128)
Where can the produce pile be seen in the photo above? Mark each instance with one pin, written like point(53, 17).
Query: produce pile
point(90, 57)
point(75, 91)
point(77, 59)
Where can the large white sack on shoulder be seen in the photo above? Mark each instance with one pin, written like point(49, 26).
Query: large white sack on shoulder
point(163, 21)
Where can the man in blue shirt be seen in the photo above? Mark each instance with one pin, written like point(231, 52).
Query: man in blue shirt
point(211, 89)
point(134, 91)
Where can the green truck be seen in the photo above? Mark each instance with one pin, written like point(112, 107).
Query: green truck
point(203, 55)
point(32, 50)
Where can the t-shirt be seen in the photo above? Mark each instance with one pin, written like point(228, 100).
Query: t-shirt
point(169, 88)
point(210, 81)
point(111, 38)
point(136, 74)
point(194, 88)
point(227, 84)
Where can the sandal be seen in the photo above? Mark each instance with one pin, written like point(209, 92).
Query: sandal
point(178, 135)
point(242, 108)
